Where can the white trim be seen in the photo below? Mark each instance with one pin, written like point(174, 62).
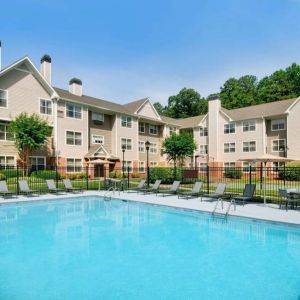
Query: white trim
point(81, 111)
point(244, 121)
point(131, 122)
point(74, 158)
point(6, 107)
point(92, 139)
point(229, 147)
point(10, 155)
point(143, 142)
point(147, 100)
point(39, 108)
point(38, 156)
point(279, 151)
point(126, 143)
point(274, 120)
point(99, 113)
point(75, 131)
point(229, 123)
point(155, 134)
point(227, 116)
point(292, 105)
point(142, 161)
point(255, 141)
point(139, 127)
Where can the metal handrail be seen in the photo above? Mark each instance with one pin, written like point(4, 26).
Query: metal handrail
point(215, 208)
point(232, 201)
point(110, 191)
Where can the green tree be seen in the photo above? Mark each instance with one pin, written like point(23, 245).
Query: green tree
point(178, 147)
point(30, 134)
point(159, 108)
point(187, 103)
point(240, 92)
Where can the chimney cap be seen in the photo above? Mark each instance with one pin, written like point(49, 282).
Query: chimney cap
point(75, 80)
point(213, 97)
point(46, 58)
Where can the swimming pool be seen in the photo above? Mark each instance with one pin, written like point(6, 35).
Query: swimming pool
point(87, 248)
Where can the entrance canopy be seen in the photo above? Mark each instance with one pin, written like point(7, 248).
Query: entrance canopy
point(267, 158)
point(100, 162)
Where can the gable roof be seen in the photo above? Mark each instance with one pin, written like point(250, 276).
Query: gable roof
point(261, 110)
point(134, 106)
point(184, 122)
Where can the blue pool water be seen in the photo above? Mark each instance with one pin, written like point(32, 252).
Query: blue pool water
point(87, 248)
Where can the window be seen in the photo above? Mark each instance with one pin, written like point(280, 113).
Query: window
point(153, 129)
point(246, 167)
point(127, 143)
point(172, 130)
point(127, 165)
point(249, 146)
point(229, 147)
point(7, 162)
point(203, 131)
point(249, 126)
point(5, 135)
point(278, 145)
point(126, 121)
point(203, 167)
point(3, 98)
point(153, 164)
point(229, 165)
point(98, 117)
point(141, 146)
point(141, 127)
point(37, 162)
point(45, 107)
point(278, 124)
point(229, 128)
point(276, 165)
point(153, 148)
point(204, 149)
point(142, 166)
point(73, 138)
point(73, 111)
point(74, 165)
point(97, 139)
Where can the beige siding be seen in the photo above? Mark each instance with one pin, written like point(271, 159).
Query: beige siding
point(274, 135)
point(293, 132)
point(147, 111)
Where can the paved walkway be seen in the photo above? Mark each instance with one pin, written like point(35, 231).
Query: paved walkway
point(270, 212)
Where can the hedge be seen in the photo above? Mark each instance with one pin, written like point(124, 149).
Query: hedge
point(165, 174)
point(291, 172)
point(233, 174)
point(46, 174)
point(11, 173)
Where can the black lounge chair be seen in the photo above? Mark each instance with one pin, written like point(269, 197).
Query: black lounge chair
point(286, 196)
point(195, 192)
point(219, 193)
point(248, 194)
point(153, 189)
point(172, 191)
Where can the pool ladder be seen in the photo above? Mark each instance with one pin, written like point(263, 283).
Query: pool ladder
point(232, 202)
point(108, 193)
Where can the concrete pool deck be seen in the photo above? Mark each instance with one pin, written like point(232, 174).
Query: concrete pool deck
point(269, 212)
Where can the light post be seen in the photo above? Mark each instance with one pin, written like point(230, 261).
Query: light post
point(147, 145)
point(123, 164)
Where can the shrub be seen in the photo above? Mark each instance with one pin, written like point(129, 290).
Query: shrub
point(2, 177)
point(135, 175)
point(73, 176)
point(234, 174)
point(46, 174)
point(291, 172)
point(113, 175)
point(11, 173)
point(165, 174)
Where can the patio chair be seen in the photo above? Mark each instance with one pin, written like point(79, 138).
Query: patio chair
point(287, 198)
point(219, 193)
point(195, 192)
point(248, 194)
point(138, 188)
point(153, 189)
point(69, 188)
point(4, 191)
point(52, 187)
point(172, 191)
point(24, 188)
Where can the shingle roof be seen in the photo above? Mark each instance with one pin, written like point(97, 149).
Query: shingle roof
point(135, 105)
point(261, 110)
point(185, 122)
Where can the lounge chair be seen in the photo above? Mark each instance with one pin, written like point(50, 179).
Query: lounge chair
point(4, 192)
point(153, 189)
point(24, 188)
point(287, 197)
point(69, 188)
point(195, 192)
point(248, 194)
point(138, 188)
point(52, 187)
point(219, 193)
point(172, 191)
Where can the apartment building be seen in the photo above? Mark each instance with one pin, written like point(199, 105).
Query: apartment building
point(91, 131)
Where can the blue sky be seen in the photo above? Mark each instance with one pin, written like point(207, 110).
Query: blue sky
point(125, 50)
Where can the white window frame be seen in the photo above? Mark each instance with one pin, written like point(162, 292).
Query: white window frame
point(5, 91)
point(248, 126)
point(231, 126)
point(277, 140)
point(97, 136)
point(126, 121)
point(141, 146)
point(246, 167)
point(46, 107)
point(142, 169)
point(231, 164)
point(5, 166)
point(277, 122)
point(153, 128)
point(153, 164)
point(74, 164)
point(126, 143)
point(74, 104)
point(203, 167)
point(172, 129)
point(205, 147)
point(6, 133)
point(95, 115)
point(249, 147)
point(204, 131)
point(153, 148)
point(144, 127)
point(229, 147)
point(125, 165)
point(36, 158)
point(274, 168)
point(66, 139)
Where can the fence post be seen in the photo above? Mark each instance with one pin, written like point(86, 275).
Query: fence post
point(128, 178)
point(148, 176)
point(284, 170)
point(207, 178)
point(56, 175)
point(261, 175)
point(250, 174)
point(87, 177)
point(18, 180)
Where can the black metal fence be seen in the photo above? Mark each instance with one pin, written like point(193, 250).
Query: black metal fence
point(268, 180)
